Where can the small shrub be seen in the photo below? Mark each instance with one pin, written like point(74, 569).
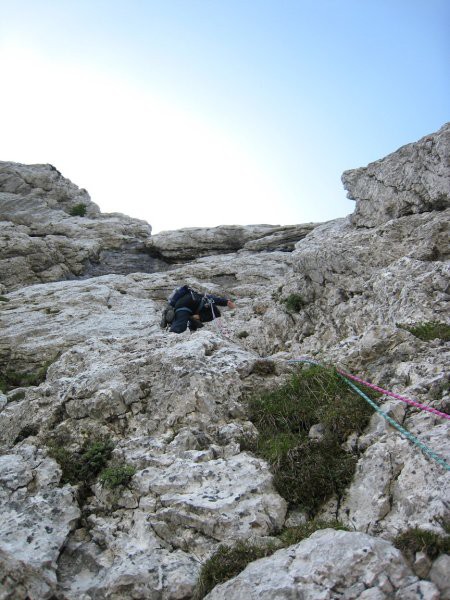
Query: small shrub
point(116, 476)
point(294, 303)
point(429, 331)
point(79, 210)
point(83, 465)
point(421, 540)
point(4, 299)
point(226, 563)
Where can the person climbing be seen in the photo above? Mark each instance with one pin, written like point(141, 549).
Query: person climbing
point(193, 309)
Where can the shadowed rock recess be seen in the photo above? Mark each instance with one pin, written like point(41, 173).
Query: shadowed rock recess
point(123, 466)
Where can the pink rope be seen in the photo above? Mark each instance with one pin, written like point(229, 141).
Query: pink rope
point(382, 391)
point(397, 396)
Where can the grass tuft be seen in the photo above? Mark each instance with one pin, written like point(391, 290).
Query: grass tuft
point(429, 331)
point(294, 535)
point(421, 540)
point(226, 563)
point(308, 472)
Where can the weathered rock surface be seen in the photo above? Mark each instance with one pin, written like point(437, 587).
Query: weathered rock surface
point(174, 406)
point(40, 241)
point(329, 564)
point(195, 242)
point(414, 179)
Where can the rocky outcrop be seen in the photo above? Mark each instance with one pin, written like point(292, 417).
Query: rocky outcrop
point(51, 230)
point(414, 179)
point(196, 242)
point(174, 408)
point(330, 564)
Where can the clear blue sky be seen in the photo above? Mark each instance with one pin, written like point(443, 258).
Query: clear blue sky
point(205, 112)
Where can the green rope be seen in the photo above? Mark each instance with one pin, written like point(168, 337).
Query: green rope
point(401, 429)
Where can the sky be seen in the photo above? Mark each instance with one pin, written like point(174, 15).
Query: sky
point(198, 113)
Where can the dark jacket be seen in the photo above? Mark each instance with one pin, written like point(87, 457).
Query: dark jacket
point(193, 304)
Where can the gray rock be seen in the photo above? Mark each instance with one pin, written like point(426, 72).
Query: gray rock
point(327, 564)
point(440, 575)
point(175, 405)
point(195, 242)
point(36, 519)
point(414, 179)
point(40, 240)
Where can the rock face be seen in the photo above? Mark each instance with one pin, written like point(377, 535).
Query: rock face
point(350, 565)
point(174, 406)
point(41, 240)
point(415, 179)
point(195, 242)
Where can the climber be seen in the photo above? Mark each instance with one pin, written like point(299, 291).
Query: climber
point(193, 309)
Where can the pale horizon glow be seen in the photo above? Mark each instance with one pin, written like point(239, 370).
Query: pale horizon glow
point(255, 142)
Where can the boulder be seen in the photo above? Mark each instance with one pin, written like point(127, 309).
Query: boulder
point(329, 564)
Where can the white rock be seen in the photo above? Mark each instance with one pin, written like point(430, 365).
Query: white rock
point(440, 575)
point(329, 562)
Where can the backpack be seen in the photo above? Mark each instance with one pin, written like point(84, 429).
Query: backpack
point(178, 293)
point(168, 314)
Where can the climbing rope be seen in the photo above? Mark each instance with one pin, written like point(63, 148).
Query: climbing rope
point(347, 377)
point(429, 409)
point(412, 438)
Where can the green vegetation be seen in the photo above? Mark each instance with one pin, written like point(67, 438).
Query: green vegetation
point(10, 379)
point(242, 334)
point(294, 535)
point(25, 432)
point(429, 331)
point(264, 367)
point(294, 303)
point(117, 475)
point(4, 299)
point(226, 563)
point(83, 465)
point(308, 472)
point(421, 540)
point(79, 210)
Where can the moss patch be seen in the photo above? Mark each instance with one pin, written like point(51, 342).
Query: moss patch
point(308, 472)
